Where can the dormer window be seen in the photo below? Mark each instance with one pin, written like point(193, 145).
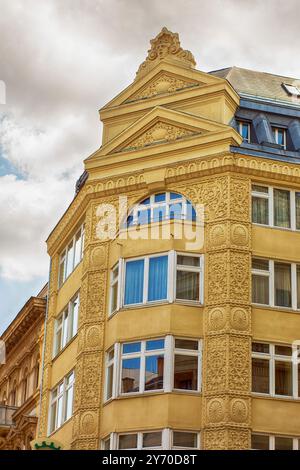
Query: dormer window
point(244, 130)
point(291, 89)
point(279, 136)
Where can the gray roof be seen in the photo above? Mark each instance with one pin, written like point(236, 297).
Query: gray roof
point(259, 84)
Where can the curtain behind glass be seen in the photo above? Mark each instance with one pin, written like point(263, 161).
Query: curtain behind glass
point(260, 210)
point(134, 282)
point(158, 278)
point(283, 294)
point(282, 208)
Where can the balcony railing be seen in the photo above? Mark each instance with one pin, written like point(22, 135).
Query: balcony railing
point(6, 413)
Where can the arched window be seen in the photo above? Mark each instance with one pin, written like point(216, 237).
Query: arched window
point(159, 207)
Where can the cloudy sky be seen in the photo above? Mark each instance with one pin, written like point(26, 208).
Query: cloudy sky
point(61, 60)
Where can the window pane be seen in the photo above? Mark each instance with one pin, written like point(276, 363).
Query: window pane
point(260, 189)
point(260, 289)
point(260, 375)
point(53, 416)
point(186, 372)
point(158, 278)
point(184, 439)
point(154, 374)
point(283, 295)
point(151, 439)
point(188, 285)
point(159, 213)
point(131, 348)
point(58, 340)
point(114, 297)
point(283, 443)
point(186, 344)
point(188, 260)
point(62, 271)
point(260, 348)
point(298, 287)
point(155, 344)
point(66, 328)
point(175, 196)
point(283, 378)
point(131, 375)
point(75, 308)
point(69, 403)
point(190, 211)
point(134, 282)
point(259, 442)
point(60, 412)
point(70, 256)
point(128, 441)
point(144, 217)
point(298, 211)
point(109, 385)
point(175, 211)
point(283, 350)
point(77, 256)
point(260, 210)
point(160, 197)
point(282, 208)
point(107, 444)
point(260, 264)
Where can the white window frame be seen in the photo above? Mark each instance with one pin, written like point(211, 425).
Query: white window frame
point(171, 281)
point(167, 439)
point(155, 205)
point(240, 124)
point(272, 358)
point(271, 275)
point(67, 311)
point(63, 394)
point(169, 351)
point(63, 256)
point(296, 445)
point(142, 355)
point(275, 130)
point(270, 197)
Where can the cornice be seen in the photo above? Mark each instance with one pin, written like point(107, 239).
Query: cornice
point(191, 168)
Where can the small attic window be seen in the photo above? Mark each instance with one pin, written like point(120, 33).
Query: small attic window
point(291, 89)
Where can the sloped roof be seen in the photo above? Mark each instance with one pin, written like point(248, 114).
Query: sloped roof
point(260, 84)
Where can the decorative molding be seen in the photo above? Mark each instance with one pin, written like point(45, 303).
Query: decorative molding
point(165, 45)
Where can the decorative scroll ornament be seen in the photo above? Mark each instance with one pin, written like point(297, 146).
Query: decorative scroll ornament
point(166, 44)
point(161, 132)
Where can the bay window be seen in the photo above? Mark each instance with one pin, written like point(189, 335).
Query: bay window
point(273, 370)
point(276, 284)
point(153, 365)
point(61, 402)
point(166, 439)
point(71, 256)
point(267, 442)
point(275, 207)
point(66, 325)
point(154, 278)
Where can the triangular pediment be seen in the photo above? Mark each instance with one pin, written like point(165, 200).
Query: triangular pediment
point(160, 126)
point(164, 79)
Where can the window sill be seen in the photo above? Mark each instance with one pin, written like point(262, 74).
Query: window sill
point(64, 348)
point(278, 309)
point(274, 227)
point(60, 427)
point(275, 397)
point(187, 303)
point(150, 394)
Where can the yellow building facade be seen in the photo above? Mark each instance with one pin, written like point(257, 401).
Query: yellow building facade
point(149, 339)
point(20, 375)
